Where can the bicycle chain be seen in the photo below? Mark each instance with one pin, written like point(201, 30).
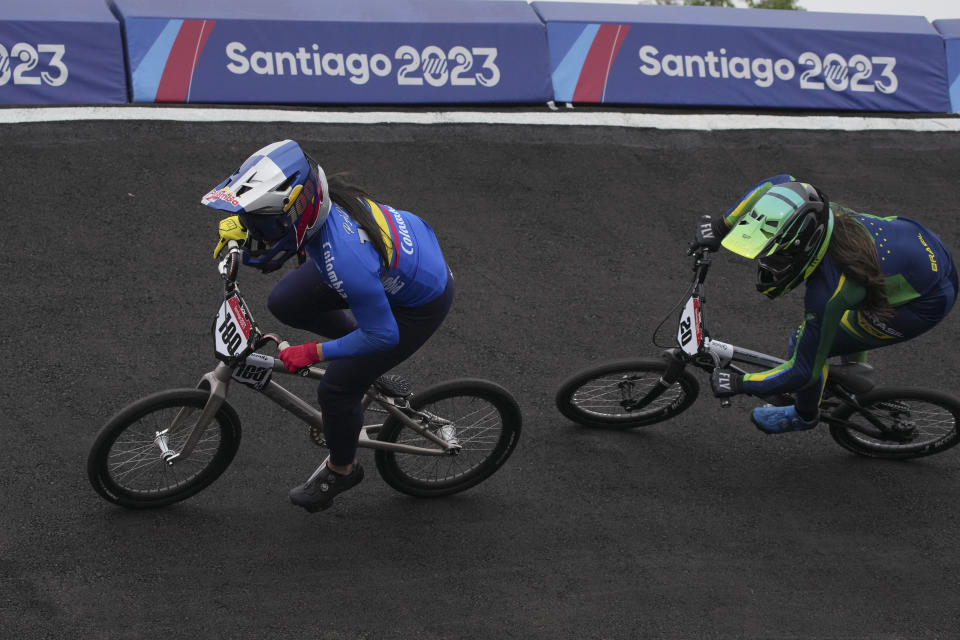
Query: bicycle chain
point(316, 435)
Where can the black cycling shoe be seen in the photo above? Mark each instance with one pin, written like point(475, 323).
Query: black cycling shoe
point(317, 494)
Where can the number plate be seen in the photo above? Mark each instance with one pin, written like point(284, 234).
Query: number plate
point(690, 334)
point(255, 371)
point(232, 329)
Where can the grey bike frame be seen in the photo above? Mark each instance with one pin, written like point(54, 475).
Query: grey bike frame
point(218, 383)
point(724, 353)
point(691, 324)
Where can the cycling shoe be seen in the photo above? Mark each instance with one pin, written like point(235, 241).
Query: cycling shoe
point(770, 419)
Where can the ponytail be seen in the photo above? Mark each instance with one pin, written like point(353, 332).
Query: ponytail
point(855, 254)
point(352, 199)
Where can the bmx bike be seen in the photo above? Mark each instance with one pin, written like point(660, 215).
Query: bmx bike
point(867, 419)
point(170, 445)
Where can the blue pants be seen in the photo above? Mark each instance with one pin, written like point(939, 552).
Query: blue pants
point(302, 299)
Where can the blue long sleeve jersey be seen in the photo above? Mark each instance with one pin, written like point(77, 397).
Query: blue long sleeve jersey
point(917, 268)
point(415, 274)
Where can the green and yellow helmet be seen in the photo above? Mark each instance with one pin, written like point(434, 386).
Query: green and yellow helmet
point(787, 230)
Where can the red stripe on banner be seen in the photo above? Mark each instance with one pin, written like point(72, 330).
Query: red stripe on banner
point(596, 68)
point(178, 72)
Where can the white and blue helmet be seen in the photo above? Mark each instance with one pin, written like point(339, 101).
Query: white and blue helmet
point(281, 197)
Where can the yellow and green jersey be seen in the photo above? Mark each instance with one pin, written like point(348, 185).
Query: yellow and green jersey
point(921, 285)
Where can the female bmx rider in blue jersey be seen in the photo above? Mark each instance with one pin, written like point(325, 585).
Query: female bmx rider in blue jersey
point(370, 278)
point(870, 282)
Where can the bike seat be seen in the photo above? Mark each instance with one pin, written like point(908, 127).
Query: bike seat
point(855, 377)
point(393, 384)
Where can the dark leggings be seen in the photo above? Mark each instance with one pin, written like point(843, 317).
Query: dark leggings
point(301, 299)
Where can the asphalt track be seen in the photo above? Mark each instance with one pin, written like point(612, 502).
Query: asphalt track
point(568, 248)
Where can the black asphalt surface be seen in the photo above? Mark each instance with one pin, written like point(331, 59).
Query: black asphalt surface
point(568, 245)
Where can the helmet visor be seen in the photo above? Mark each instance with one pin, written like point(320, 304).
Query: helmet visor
point(758, 229)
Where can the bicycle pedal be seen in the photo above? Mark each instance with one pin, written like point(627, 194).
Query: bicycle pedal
point(393, 384)
point(316, 435)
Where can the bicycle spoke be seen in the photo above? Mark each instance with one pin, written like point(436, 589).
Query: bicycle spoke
point(606, 395)
point(477, 428)
point(135, 461)
point(909, 425)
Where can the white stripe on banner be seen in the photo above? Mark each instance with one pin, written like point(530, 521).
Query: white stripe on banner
point(564, 117)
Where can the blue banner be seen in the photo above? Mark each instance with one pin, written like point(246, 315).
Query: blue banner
point(60, 52)
point(950, 30)
point(711, 56)
point(363, 51)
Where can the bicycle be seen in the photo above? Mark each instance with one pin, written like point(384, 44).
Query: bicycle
point(869, 420)
point(170, 445)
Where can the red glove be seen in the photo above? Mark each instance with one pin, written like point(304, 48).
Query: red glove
point(299, 356)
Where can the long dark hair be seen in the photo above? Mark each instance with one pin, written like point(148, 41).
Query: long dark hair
point(855, 254)
point(352, 199)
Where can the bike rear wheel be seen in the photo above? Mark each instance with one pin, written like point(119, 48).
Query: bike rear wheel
point(920, 422)
point(595, 396)
point(481, 416)
point(126, 466)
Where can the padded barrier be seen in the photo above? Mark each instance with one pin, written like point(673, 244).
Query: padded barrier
point(950, 30)
point(60, 52)
point(324, 51)
point(711, 56)
point(472, 52)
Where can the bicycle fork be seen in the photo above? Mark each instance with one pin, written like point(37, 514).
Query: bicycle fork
point(217, 382)
point(675, 366)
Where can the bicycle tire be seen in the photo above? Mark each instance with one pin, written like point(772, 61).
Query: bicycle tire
point(592, 396)
point(487, 423)
point(927, 421)
point(124, 465)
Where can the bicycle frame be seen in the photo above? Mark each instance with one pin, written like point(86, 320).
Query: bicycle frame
point(694, 339)
point(696, 347)
point(218, 382)
point(240, 361)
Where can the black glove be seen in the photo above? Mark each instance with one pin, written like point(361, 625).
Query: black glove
point(726, 383)
point(709, 233)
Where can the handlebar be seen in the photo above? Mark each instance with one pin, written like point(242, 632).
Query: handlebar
point(283, 344)
point(230, 265)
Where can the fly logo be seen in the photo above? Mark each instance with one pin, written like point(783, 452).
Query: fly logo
point(724, 381)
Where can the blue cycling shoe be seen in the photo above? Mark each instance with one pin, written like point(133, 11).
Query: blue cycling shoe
point(781, 419)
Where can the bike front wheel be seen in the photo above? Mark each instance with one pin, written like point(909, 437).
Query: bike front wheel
point(600, 395)
point(483, 418)
point(915, 423)
point(127, 464)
